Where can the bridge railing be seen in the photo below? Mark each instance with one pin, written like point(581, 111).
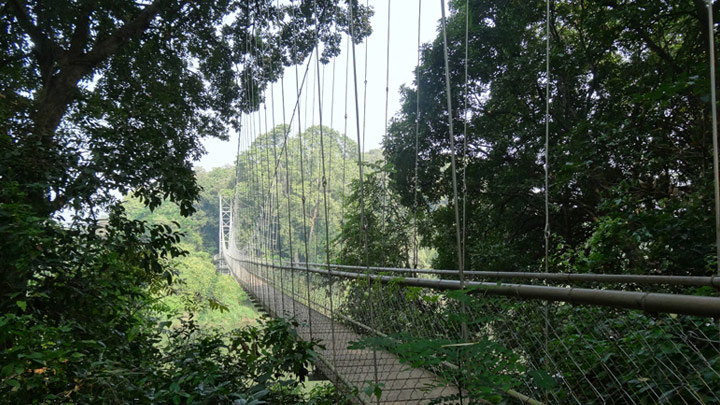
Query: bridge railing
point(604, 342)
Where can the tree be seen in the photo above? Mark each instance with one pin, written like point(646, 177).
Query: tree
point(105, 97)
point(257, 165)
point(630, 139)
point(386, 227)
point(101, 97)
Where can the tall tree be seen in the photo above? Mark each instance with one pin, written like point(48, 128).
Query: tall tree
point(630, 138)
point(101, 97)
point(386, 227)
point(258, 165)
point(106, 96)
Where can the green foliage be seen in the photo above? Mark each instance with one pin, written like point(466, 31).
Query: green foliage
point(482, 367)
point(630, 140)
point(304, 223)
point(214, 300)
point(249, 363)
point(126, 92)
point(256, 364)
point(385, 238)
point(326, 394)
point(101, 97)
point(654, 341)
point(372, 389)
point(90, 328)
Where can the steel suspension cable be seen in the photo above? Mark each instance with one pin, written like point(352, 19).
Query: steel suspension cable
point(288, 192)
point(311, 160)
point(237, 154)
point(266, 206)
point(365, 85)
point(383, 178)
point(360, 182)
point(261, 210)
point(325, 203)
point(262, 137)
point(252, 157)
point(344, 152)
point(278, 244)
point(259, 196)
point(458, 238)
point(417, 136)
point(270, 246)
point(453, 164)
point(465, 134)
point(713, 106)
point(547, 135)
point(248, 178)
point(332, 112)
point(546, 166)
point(304, 213)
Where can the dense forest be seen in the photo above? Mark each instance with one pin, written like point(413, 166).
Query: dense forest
point(630, 161)
point(100, 99)
point(107, 230)
point(226, 306)
point(630, 137)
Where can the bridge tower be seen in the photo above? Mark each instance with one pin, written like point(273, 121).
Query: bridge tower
point(225, 220)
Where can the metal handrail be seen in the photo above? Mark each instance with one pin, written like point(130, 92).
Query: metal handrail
point(645, 301)
point(690, 281)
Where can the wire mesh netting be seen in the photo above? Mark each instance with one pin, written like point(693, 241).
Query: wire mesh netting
point(407, 342)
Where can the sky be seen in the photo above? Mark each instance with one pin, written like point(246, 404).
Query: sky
point(403, 58)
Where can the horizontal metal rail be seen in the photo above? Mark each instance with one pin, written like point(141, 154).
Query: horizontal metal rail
point(515, 394)
point(645, 301)
point(691, 281)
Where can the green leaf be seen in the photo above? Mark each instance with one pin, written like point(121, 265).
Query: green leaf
point(542, 379)
point(22, 305)
point(372, 388)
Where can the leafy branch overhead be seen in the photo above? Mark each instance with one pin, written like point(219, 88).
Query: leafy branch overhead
point(117, 95)
point(101, 97)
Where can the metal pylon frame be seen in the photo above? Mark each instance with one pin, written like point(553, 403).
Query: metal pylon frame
point(225, 222)
point(225, 216)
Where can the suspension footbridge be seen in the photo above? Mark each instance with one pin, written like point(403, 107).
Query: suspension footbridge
point(506, 319)
point(462, 335)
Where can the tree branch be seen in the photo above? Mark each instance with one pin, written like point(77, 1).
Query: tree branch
point(110, 45)
point(45, 49)
point(80, 35)
point(662, 53)
point(23, 17)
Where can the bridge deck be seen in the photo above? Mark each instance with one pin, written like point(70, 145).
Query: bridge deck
point(401, 384)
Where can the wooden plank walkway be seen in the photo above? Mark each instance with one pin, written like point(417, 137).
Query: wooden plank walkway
point(347, 368)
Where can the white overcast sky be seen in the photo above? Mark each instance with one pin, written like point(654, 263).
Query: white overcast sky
point(403, 58)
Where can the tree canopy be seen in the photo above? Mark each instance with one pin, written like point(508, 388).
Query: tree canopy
point(102, 98)
point(293, 223)
point(630, 136)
